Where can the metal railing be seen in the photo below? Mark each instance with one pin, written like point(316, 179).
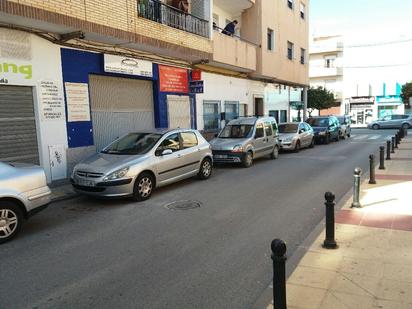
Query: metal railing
point(223, 31)
point(159, 12)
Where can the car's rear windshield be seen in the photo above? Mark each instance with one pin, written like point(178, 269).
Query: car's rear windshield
point(318, 122)
point(133, 144)
point(237, 131)
point(288, 127)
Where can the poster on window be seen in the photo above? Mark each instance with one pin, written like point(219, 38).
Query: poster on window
point(77, 95)
point(51, 100)
point(173, 79)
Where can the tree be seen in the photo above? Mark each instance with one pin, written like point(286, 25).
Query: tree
point(406, 93)
point(321, 98)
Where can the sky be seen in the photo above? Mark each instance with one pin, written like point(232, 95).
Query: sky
point(382, 29)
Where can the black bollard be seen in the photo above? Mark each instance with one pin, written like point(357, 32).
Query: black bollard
point(393, 145)
point(330, 242)
point(396, 140)
point(372, 169)
point(406, 131)
point(278, 247)
point(400, 134)
point(381, 157)
point(388, 150)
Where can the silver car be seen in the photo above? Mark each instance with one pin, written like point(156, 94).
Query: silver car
point(136, 163)
point(23, 193)
point(245, 139)
point(294, 136)
point(392, 121)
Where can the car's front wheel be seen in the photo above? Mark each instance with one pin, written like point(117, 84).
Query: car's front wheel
point(275, 153)
point(312, 143)
point(143, 187)
point(205, 169)
point(375, 126)
point(248, 159)
point(11, 220)
point(405, 126)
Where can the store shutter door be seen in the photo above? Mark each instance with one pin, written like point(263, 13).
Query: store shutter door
point(18, 136)
point(178, 109)
point(119, 106)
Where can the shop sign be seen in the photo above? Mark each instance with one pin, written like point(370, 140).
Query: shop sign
point(393, 99)
point(13, 73)
point(77, 96)
point(126, 65)
point(196, 75)
point(362, 99)
point(296, 104)
point(50, 100)
point(173, 79)
point(196, 86)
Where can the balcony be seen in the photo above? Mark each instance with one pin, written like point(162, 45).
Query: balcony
point(234, 7)
point(325, 72)
point(231, 52)
point(168, 15)
point(326, 47)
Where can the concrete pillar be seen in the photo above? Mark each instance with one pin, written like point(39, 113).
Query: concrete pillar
point(305, 103)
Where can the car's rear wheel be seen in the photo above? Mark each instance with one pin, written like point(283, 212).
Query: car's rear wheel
point(205, 169)
point(375, 126)
point(248, 160)
point(143, 187)
point(405, 126)
point(275, 153)
point(297, 146)
point(11, 220)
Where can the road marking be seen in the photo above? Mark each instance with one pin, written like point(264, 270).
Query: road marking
point(374, 137)
point(360, 136)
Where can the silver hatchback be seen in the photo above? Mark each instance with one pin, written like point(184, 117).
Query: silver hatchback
point(135, 164)
point(392, 121)
point(245, 139)
point(294, 136)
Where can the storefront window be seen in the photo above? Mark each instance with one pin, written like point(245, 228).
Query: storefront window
point(211, 115)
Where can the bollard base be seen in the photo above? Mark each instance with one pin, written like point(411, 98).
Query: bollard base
point(356, 205)
point(372, 182)
point(330, 244)
point(381, 168)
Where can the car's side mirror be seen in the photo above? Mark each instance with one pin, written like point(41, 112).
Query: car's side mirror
point(167, 152)
point(301, 131)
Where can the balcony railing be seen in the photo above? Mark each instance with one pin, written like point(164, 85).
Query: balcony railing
point(167, 15)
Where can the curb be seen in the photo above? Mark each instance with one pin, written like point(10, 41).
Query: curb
point(64, 197)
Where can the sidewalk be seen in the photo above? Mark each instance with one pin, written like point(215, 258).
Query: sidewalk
point(372, 268)
point(61, 190)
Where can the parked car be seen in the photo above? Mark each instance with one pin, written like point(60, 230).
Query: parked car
point(244, 139)
point(136, 163)
point(295, 135)
point(345, 129)
point(23, 193)
point(392, 121)
point(326, 128)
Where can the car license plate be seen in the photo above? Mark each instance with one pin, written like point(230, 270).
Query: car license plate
point(220, 156)
point(85, 183)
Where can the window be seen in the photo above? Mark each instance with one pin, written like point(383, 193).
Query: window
point(283, 115)
point(302, 55)
point(189, 139)
point(302, 10)
point(290, 4)
point(259, 131)
point(302, 127)
point(330, 61)
point(211, 115)
point(274, 114)
point(268, 129)
point(171, 142)
point(231, 110)
point(270, 39)
point(290, 50)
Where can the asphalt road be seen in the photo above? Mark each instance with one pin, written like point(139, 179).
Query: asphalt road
point(85, 253)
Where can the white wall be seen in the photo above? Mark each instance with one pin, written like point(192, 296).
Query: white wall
point(45, 62)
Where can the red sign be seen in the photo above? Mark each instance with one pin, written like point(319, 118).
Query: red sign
point(196, 75)
point(173, 79)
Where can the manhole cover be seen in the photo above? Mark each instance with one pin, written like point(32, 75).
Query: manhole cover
point(183, 205)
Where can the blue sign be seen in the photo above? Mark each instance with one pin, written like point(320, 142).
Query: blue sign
point(196, 86)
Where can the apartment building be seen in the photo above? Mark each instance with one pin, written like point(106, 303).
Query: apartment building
point(326, 68)
point(74, 75)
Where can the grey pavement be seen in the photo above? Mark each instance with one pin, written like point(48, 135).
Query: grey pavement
point(88, 253)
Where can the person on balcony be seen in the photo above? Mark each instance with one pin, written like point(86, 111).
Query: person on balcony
point(184, 6)
point(230, 28)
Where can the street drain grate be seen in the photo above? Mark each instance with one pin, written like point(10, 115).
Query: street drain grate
point(183, 205)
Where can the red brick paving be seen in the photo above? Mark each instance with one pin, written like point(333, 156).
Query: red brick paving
point(374, 219)
point(394, 177)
